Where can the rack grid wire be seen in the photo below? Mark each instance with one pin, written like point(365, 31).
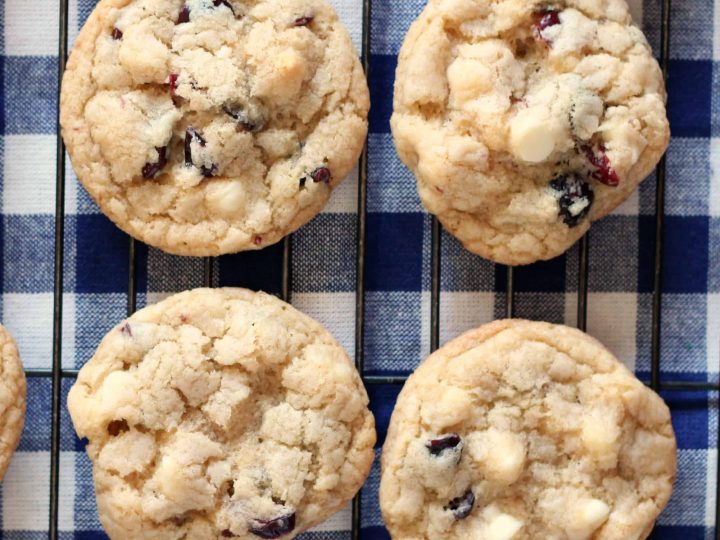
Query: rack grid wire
point(57, 373)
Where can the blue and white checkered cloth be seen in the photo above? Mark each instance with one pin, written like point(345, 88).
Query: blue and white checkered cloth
point(398, 264)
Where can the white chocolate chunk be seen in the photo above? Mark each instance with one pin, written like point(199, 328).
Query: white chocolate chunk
point(587, 109)
point(599, 436)
point(503, 527)
point(226, 198)
point(585, 517)
point(531, 136)
point(502, 456)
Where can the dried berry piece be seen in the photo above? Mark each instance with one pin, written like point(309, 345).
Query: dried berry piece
point(117, 33)
point(173, 82)
point(192, 136)
point(598, 158)
point(545, 18)
point(227, 533)
point(184, 15)
point(304, 21)
point(321, 174)
point(258, 240)
point(116, 427)
point(462, 506)
point(126, 330)
point(273, 528)
point(438, 446)
point(218, 3)
point(244, 123)
point(303, 181)
point(150, 170)
point(575, 198)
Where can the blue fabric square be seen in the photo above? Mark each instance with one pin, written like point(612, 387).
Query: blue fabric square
point(690, 94)
point(687, 189)
point(542, 276)
point(90, 535)
point(548, 307)
point(685, 256)
point(394, 252)
point(29, 253)
point(256, 270)
point(86, 516)
point(691, 37)
point(690, 416)
point(30, 85)
point(687, 505)
point(462, 270)
point(36, 435)
point(390, 22)
point(714, 256)
point(382, 403)
point(95, 315)
point(393, 332)
point(324, 254)
point(613, 254)
point(102, 257)
point(391, 185)
point(381, 81)
point(172, 273)
point(666, 532)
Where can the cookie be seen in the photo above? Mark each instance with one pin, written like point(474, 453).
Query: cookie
point(205, 127)
point(12, 399)
point(525, 121)
point(526, 430)
point(221, 414)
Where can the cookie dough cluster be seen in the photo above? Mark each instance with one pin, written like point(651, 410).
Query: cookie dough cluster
point(524, 121)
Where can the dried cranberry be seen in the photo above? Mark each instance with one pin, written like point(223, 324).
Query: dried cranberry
point(273, 528)
point(546, 18)
point(258, 240)
point(184, 15)
point(173, 82)
point(321, 174)
point(243, 121)
point(227, 533)
point(125, 329)
point(193, 136)
point(116, 427)
point(304, 21)
point(598, 158)
point(575, 198)
point(117, 33)
point(218, 3)
point(438, 446)
point(150, 170)
point(462, 506)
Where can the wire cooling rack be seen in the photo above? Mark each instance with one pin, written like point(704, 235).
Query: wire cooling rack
point(56, 374)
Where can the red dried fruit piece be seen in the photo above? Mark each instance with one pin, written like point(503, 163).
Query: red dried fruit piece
point(273, 528)
point(125, 329)
point(227, 533)
point(258, 240)
point(117, 33)
point(321, 174)
point(184, 15)
point(545, 18)
point(598, 158)
point(150, 170)
point(173, 82)
point(438, 446)
point(461, 506)
point(304, 21)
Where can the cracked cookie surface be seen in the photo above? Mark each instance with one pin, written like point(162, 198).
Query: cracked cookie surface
point(205, 127)
point(524, 430)
point(12, 399)
point(221, 414)
point(524, 121)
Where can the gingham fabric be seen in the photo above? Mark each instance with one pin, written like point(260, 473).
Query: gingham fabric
point(398, 264)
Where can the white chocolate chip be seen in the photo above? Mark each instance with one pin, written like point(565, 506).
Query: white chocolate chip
point(501, 455)
point(225, 198)
point(599, 436)
point(503, 527)
point(531, 136)
point(469, 79)
point(585, 517)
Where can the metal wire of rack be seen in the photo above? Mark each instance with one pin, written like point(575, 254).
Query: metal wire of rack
point(57, 374)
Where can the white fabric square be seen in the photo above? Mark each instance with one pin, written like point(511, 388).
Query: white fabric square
point(425, 320)
point(612, 319)
point(716, 27)
point(715, 162)
point(341, 521)
point(29, 174)
point(29, 317)
point(710, 491)
point(463, 311)
point(66, 494)
point(335, 311)
point(351, 13)
point(31, 28)
point(344, 199)
point(713, 333)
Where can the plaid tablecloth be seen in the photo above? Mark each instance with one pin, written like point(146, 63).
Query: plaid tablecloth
point(398, 263)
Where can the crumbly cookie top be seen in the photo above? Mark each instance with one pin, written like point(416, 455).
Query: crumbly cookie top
point(12, 399)
point(525, 430)
point(210, 126)
point(525, 120)
point(221, 414)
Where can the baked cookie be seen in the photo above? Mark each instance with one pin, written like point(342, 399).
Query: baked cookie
point(221, 414)
point(205, 127)
point(524, 121)
point(526, 430)
point(12, 399)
